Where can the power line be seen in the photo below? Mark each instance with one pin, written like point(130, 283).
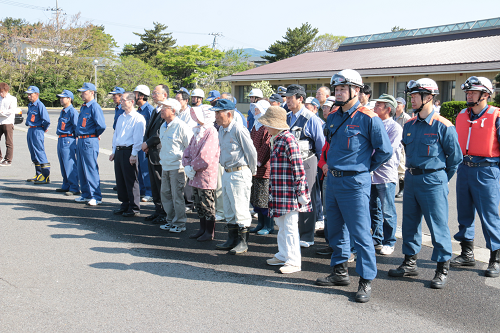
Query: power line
point(23, 5)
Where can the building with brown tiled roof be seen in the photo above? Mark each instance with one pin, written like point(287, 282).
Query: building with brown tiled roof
point(448, 54)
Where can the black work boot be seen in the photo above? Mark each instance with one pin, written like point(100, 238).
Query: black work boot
point(201, 231)
point(260, 223)
point(364, 291)
point(441, 276)
point(232, 238)
point(401, 188)
point(493, 269)
point(242, 239)
point(209, 230)
point(407, 268)
point(466, 257)
point(339, 277)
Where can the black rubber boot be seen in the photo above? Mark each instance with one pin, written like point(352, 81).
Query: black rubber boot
point(441, 276)
point(260, 223)
point(209, 231)
point(339, 277)
point(493, 269)
point(401, 188)
point(268, 227)
point(44, 177)
point(466, 258)
point(201, 231)
point(407, 268)
point(232, 238)
point(364, 291)
point(242, 245)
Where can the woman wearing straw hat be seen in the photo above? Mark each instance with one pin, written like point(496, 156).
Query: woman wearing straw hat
point(288, 192)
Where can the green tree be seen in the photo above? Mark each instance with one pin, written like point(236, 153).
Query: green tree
point(128, 73)
point(153, 41)
point(190, 66)
point(326, 42)
point(296, 41)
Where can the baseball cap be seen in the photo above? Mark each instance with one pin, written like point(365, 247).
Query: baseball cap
point(182, 89)
point(172, 102)
point(276, 98)
point(117, 90)
point(32, 90)
point(386, 98)
point(313, 101)
point(213, 94)
point(223, 104)
point(87, 86)
point(294, 89)
point(66, 93)
point(401, 100)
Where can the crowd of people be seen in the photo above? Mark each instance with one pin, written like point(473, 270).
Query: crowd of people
point(335, 178)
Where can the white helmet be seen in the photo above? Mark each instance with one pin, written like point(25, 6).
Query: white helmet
point(256, 93)
point(478, 83)
point(198, 93)
point(143, 90)
point(424, 85)
point(347, 77)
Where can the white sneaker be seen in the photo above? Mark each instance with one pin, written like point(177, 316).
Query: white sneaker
point(319, 225)
point(386, 250)
point(275, 262)
point(147, 198)
point(306, 244)
point(287, 269)
point(93, 202)
point(82, 199)
point(177, 229)
point(219, 218)
point(166, 226)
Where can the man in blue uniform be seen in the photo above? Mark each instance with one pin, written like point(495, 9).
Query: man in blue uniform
point(308, 130)
point(117, 95)
point(478, 176)
point(66, 144)
point(359, 144)
point(142, 93)
point(90, 126)
point(38, 122)
point(432, 157)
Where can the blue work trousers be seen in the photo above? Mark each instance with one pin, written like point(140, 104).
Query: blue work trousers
point(88, 171)
point(478, 189)
point(348, 212)
point(36, 146)
point(383, 213)
point(66, 152)
point(426, 195)
point(144, 181)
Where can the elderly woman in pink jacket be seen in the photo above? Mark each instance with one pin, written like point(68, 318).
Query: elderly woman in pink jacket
point(200, 160)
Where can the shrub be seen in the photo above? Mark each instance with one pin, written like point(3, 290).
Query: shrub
point(449, 110)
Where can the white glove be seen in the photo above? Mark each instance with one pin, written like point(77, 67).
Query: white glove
point(303, 200)
point(190, 173)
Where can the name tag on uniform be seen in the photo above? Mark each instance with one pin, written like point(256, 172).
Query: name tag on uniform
point(63, 126)
point(84, 122)
point(32, 118)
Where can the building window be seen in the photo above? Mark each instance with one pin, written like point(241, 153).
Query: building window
point(243, 92)
point(446, 91)
point(380, 88)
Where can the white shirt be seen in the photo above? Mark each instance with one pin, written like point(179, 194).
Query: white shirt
point(129, 131)
point(185, 115)
point(8, 108)
point(174, 137)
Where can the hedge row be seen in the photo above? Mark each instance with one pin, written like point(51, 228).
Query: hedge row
point(449, 110)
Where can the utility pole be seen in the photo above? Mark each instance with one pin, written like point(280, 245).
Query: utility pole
point(57, 12)
point(215, 34)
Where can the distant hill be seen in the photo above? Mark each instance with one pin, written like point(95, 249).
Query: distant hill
point(255, 53)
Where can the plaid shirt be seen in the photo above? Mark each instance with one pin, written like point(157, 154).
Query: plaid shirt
point(287, 181)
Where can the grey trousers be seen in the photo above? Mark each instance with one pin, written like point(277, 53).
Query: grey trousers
point(172, 196)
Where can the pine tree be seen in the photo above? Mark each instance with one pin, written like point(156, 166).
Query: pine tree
point(295, 42)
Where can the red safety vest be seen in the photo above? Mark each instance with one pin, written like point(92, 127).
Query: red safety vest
point(478, 137)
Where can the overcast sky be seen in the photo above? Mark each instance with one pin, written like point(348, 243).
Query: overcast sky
point(254, 23)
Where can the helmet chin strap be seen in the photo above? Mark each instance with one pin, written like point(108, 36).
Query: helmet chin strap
point(339, 103)
point(421, 106)
point(472, 104)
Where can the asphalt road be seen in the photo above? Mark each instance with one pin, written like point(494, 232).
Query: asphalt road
point(66, 267)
